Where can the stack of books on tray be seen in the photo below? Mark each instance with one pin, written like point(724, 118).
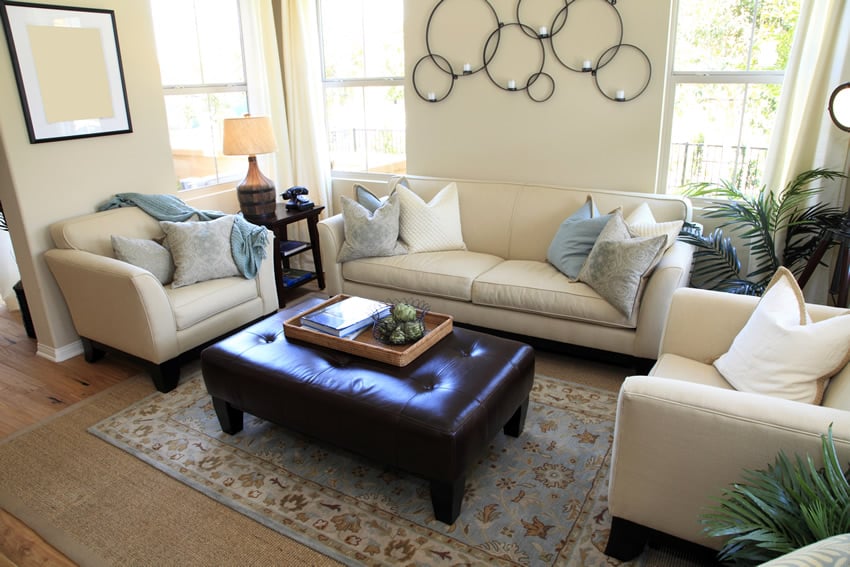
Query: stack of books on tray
point(343, 318)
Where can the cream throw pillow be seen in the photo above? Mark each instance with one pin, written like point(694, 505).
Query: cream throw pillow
point(642, 222)
point(780, 352)
point(432, 226)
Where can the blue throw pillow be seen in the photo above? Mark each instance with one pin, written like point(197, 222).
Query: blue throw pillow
point(366, 198)
point(575, 239)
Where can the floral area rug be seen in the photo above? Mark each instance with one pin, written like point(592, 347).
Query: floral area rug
point(539, 499)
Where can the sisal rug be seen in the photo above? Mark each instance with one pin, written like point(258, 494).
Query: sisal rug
point(535, 500)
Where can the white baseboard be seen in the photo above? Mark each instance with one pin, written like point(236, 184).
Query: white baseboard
point(60, 354)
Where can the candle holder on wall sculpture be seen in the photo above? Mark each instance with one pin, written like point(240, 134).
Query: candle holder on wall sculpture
point(542, 35)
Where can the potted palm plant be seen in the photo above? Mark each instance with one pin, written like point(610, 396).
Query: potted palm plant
point(778, 229)
point(787, 506)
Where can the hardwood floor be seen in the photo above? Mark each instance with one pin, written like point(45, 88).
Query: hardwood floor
point(33, 388)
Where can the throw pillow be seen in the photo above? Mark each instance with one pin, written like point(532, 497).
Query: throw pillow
point(367, 199)
point(642, 222)
point(146, 254)
point(370, 234)
point(575, 238)
point(201, 250)
point(618, 264)
point(780, 352)
point(432, 226)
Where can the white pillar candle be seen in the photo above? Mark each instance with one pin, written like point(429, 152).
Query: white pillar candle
point(621, 95)
point(432, 97)
point(512, 84)
point(467, 68)
point(586, 65)
point(542, 32)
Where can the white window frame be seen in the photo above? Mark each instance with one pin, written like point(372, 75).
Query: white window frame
point(344, 83)
point(217, 88)
point(676, 78)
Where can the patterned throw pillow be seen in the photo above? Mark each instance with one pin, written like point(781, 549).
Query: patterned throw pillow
point(432, 226)
point(781, 352)
point(201, 250)
point(618, 264)
point(146, 254)
point(575, 239)
point(367, 199)
point(370, 234)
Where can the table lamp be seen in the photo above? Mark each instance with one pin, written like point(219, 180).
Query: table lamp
point(250, 136)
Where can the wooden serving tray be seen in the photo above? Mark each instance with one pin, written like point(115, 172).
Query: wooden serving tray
point(364, 344)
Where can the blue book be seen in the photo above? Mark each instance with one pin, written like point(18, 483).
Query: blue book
point(343, 317)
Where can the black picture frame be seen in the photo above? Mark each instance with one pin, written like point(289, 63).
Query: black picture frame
point(67, 64)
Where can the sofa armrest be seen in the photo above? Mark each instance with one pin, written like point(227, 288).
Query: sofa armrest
point(702, 324)
point(331, 237)
point(116, 303)
point(678, 444)
point(671, 273)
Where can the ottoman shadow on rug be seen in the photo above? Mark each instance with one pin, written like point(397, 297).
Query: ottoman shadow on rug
point(539, 499)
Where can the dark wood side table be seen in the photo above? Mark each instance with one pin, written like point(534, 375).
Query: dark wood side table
point(286, 277)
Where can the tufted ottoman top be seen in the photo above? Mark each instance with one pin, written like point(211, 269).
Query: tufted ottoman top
point(431, 417)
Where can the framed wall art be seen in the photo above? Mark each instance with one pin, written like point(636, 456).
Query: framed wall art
point(67, 65)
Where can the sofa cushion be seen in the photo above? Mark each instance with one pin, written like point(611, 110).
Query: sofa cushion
point(781, 352)
point(195, 303)
point(678, 367)
point(146, 254)
point(575, 239)
point(442, 274)
point(537, 287)
point(432, 226)
point(618, 264)
point(370, 233)
point(201, 250)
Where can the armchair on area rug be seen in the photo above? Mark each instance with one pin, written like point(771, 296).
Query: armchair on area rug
point(684, 433)
point(127, 292)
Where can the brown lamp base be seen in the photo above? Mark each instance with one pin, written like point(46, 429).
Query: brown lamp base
point(256, 193)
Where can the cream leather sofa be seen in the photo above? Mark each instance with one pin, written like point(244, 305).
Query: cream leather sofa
point(503, 281)
point(116, 305)
point(683, 433)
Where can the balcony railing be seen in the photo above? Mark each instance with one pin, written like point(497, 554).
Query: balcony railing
point(696, 163)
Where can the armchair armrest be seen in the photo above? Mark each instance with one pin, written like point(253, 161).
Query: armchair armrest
point(702, 324)
point(115, 303)
point(331, 238)
point(671, 273)
point(678, 444)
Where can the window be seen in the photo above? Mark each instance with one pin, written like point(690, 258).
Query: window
point(362, 44)
point(199, 45)
point(728, 67)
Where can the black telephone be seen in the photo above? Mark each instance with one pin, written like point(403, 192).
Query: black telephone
point(297, 200)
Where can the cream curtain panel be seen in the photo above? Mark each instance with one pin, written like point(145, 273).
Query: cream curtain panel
point(282, 45)
point(804, 136)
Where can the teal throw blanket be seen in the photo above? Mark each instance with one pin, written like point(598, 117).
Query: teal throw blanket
point(247, 240)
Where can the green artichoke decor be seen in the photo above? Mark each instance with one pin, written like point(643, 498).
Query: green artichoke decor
point(402, 323)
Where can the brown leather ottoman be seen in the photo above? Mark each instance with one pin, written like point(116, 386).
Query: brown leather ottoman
point(433, 417)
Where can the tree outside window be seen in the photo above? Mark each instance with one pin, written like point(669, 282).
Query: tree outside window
point(729, 63)
point(362, 45)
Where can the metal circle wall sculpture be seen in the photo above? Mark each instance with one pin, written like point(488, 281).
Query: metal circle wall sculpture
point(543, 83)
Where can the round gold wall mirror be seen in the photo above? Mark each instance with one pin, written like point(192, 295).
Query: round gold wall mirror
point(839, 106)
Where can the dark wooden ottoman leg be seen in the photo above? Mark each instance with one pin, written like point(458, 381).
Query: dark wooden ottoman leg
point(516, 423)
point(447, 498)
point(229, 417)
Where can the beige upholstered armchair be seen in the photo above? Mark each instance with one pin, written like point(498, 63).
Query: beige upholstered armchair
point(116, 305)
point(683, 433)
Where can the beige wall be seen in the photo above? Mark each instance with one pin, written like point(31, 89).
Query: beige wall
point(577, 138)
point(45, 182)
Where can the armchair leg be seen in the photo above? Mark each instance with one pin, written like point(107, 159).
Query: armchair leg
point(626, 540)
point(166, 375)
point(90, 352)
